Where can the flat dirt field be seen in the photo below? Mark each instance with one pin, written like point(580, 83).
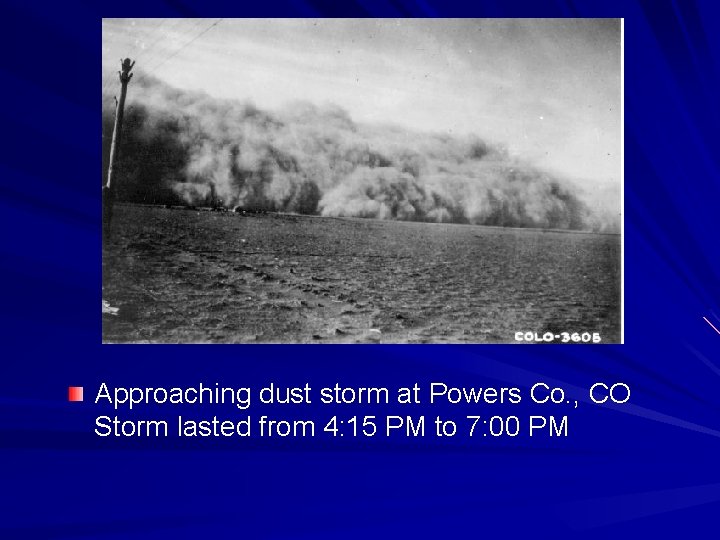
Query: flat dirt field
point(180, 276)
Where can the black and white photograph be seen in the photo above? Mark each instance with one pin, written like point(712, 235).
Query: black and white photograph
point(318, 181)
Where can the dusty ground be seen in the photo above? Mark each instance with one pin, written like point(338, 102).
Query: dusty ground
point(196, 276)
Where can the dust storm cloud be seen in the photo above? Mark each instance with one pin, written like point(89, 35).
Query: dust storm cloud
point(185, 147)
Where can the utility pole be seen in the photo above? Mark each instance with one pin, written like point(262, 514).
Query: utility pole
point(109, 187)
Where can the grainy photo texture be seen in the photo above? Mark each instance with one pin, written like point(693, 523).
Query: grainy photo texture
point(362, 181)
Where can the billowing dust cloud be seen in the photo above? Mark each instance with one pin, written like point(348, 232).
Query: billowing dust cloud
point(182, 147)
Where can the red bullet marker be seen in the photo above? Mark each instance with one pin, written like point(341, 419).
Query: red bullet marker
point(75, 393)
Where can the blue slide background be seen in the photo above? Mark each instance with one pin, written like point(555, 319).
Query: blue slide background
point(647, 470)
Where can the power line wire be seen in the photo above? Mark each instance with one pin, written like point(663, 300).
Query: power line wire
point(108, 83)
point(193, 40)
point(139, 33)
point(150, 48)
point(110, 78)
point(154, 30)
point(184, 34)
